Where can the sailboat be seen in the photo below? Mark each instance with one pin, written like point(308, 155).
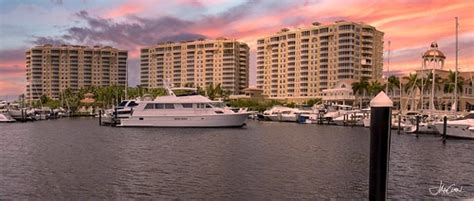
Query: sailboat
point(462, 128)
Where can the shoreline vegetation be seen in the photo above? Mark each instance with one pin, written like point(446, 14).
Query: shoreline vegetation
point(109, 96)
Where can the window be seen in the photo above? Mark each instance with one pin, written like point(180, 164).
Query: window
point(187, 105)
point(159, 106)
point(208, 106)
point(149, 106)
point(132, 104)
point(169, 106)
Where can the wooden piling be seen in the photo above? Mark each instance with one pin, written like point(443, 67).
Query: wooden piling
point(100, 117)
point(381, 109)
point(399, 123)
point(445, 124)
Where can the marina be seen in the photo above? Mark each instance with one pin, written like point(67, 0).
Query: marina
point(260, 161)
point(237, 100)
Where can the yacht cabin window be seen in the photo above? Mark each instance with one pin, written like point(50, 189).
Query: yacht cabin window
point(123, 103)
point(203, 105)
point(132, 104)
point(159, 106)
point(149, 106)
point(187, 105)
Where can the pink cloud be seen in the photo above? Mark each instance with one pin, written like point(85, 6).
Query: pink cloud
point(125, 9)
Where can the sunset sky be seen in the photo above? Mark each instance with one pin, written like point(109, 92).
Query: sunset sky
point(410, 25)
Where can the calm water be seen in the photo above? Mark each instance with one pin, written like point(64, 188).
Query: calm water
point(75, 158)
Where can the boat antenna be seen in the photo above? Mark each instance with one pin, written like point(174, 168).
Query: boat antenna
point(167, 86)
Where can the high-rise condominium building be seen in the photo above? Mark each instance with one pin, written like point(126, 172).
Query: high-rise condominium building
point(197, 63)
point(300, 63)
point(52, 69)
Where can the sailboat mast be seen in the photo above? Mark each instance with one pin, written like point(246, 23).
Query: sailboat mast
point(422, 83)
point(388, 67)
point(456, 72)
point(126, 82)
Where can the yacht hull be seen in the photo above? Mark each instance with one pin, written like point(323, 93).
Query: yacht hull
point(6, 118)
point(462, 131)
point(272, 117)
point(218, 120)
point(422, 128)
point(287, 118)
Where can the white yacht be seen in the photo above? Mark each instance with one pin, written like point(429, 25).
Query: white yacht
point(284, 114)
point(462, 128)
point(426, 127)
point(352, 118)
point(183, 111)
point(6, 118)
point(124, 108)
point(290, 115)
point(335, 111)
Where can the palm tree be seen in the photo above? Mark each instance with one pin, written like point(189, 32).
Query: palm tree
point(210, 91)
point(375, 87)
point(155, 92)
point(413, 82)
point(359, 88)
point(449, 83)
point(393, 82)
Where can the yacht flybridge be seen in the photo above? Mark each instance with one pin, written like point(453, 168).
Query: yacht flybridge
point(183, 111)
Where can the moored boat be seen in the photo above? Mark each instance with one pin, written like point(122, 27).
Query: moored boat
point(6, 118)
point(462, 128)
point(183, 111)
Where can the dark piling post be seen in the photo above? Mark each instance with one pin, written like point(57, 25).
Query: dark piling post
point(399, 123)
point(100, 117)
point(445, 124)
point(381, 109)
point(115, 116)
point(320, 118)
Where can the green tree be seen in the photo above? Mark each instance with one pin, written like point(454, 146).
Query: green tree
point(211, 91)
point(413, 82)
point(375, 87)
point(449, 83)
point(360, 89)
point(155, 92)
point(393, 83)
point(313, 101)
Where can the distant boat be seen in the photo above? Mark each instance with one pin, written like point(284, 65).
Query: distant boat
point(463, 128)
point(354, 118)
point(183, 111)
point(6, 118)
point(425, 125)
point(335, 111)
